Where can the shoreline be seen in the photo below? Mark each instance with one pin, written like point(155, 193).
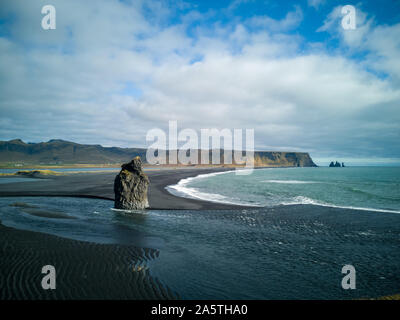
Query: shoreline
point(80, 264)
point(25, 252)
point(99, 185)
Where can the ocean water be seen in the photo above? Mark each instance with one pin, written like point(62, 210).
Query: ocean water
point(364, 188)
point(273, 252)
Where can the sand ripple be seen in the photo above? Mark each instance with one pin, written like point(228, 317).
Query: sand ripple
point(84, 270)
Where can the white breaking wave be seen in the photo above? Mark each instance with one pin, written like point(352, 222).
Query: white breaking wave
point(181, 189)
point(289, 181)
point(305, 200)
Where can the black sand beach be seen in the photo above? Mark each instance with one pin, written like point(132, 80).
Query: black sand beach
point(100, 185)
point(288, 244)
point(88, 270)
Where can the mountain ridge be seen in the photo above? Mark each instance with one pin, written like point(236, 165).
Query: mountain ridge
point(62, 152)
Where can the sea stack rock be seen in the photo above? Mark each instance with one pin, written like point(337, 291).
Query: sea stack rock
point(130, 187)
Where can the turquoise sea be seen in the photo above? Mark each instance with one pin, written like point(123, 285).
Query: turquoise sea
point(291, 245)
point(365, 188)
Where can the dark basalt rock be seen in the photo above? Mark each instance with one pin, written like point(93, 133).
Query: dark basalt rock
point(130, 187)
point(336, 164)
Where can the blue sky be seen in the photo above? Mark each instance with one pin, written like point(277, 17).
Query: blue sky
point(112, 70)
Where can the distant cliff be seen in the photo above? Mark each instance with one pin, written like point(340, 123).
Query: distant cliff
point(289, 159)
point(60, 152)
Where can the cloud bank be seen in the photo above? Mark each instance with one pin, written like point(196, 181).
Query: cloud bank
point(114, 70)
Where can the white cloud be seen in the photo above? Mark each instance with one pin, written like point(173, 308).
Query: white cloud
point(380, 43)
point(69, 84)
point(316, 3)
point(291, 21)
